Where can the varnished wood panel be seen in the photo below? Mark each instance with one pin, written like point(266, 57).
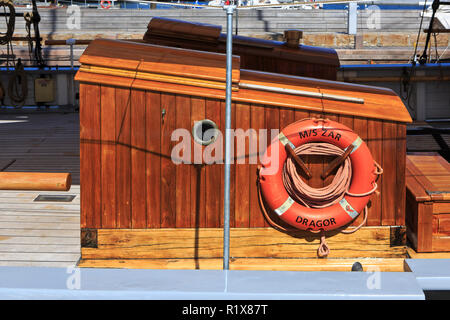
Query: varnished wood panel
point(108, 157)
point(214, 171)
point(268, 264)
point(90, 153)
point(198, 181)
point(272, 123)
point(390, 166)
point(375, 144)
point(153, 158)
point(123, 158)
point(257, 122)
point(428, 219)
point(244, 243)
point(400, 174)
point(183, 170)
point(242, 171)
point(138, 160)
point(168, 168)
point(360, 127)
point(189, 195)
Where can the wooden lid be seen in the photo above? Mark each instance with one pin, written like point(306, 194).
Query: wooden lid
point(199, 73)
point(428, 177)
point(140, 61)
point(193, 35)
point(181, 29)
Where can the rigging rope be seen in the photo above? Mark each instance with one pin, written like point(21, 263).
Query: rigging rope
point(5, 37)
point(18, 78)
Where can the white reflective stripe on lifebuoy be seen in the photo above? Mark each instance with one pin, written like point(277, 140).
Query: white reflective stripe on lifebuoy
point(348, 208)
point(356, 144)
point(284, 140)
point(285, 206)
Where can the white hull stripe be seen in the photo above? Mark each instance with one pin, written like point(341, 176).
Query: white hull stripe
point(358, 142)
point(284, 140)
point(285, 206)
point(348, 208)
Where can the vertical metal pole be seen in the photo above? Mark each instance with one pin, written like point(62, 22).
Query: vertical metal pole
point(226, 208)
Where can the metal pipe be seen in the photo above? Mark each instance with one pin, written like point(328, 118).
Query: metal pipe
point(226, 207)
point(301, 93)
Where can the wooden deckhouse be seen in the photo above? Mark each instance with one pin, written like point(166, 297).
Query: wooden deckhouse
point(141, 209)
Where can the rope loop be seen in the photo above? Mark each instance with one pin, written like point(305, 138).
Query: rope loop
point(10, 20)
point(18, 80)
point(378, 169)
point(323, 249)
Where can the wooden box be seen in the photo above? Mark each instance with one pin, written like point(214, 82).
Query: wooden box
point(140, 209)
point(428, 202)
point(254, 53)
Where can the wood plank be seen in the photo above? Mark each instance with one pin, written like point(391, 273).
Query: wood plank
point(245, 242)
point(424, 228)
point(382, 265)
point(213, 170)
point(441, 207)
point(198, 176)
point(443, 224)
point(51, 264)
point(38, 248)
point(31, 232)
point(400, 175)
point(389, 203)
point(90, 153)
point(413, 184)
point(375, 144)
point(153, 159)
point(123, 158)
point(183, 170)
point(286, 117)
point(168, 170)
point(272, 123)
point(360, 126)
point(108, 157)
point(426, 255)
point(39, 256)
point(138, 160)
point(257, 122)
point(440, 243)
point(30, 240)
point(38, 219)
point(242, 173)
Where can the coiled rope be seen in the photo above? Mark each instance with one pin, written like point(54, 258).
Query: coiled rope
point(5, 37)
point(324, 197)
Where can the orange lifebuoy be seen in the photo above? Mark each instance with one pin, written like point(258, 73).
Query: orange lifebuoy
point(332, 217)
point(105, 7)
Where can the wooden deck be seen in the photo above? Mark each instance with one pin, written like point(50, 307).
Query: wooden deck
point(39, 233)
